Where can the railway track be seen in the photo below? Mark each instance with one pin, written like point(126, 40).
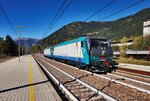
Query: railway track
point(128, 80)
point(132, 76)
point(135, 84)
point(134, 72)
point(78, 89)
point(117, 86)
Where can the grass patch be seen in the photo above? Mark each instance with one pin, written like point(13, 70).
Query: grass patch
point(133, 61)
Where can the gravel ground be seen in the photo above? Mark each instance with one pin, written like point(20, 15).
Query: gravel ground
point(129, 82)
point(75, 87)
point(118, 91)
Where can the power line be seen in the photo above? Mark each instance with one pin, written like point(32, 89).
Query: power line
point(54, 18)
point(7, 18)
point(99, 10)
point(61, 14)
point(53, 23)
point(122, 10)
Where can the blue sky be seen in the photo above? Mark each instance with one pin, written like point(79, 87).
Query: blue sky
point(36, 15)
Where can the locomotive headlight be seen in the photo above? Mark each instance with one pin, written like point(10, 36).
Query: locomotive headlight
point(109, 43)
point(103, 52)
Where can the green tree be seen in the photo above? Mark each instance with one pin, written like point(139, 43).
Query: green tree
point(146, 42)
point(39, 48)
point(10, 47)
point(123, 47)
point(35, 49)
point(1, 46)
point(115, 48)
point(137, 43)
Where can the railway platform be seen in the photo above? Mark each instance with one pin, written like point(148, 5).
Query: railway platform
point(25, 81)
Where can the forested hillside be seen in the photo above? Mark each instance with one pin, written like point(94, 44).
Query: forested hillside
point(26, 42)
point(115, 30)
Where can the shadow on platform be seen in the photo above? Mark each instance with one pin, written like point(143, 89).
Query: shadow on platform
point(15, 88)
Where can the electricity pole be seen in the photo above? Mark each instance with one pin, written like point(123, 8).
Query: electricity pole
point(22, 52)
point(19, 38)
point(19, 45)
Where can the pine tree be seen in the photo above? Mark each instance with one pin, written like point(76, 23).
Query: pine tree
point(10, 47)
point(1, 46)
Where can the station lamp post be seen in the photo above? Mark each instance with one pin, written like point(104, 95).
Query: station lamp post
point(19, 32)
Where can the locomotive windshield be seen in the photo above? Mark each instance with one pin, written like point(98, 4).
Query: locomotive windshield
point(99, 43)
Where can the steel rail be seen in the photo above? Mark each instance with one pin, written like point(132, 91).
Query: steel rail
point(141, 82)
point(59, 84)
point(108, 97)
point(125, 84)
point(113, 80)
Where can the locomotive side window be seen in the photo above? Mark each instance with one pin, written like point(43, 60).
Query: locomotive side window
point(81, 43)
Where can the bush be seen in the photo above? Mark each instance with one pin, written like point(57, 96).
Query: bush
point(123, 48)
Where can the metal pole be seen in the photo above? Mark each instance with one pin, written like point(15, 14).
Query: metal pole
point(25, 51)
point(19, 46)
point(19, 39)
point(25, 48)
point(22, 52)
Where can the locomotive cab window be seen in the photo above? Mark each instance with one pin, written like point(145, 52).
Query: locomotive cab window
point(99, 44)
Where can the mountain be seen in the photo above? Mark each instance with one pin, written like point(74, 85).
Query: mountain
point(127, 26)
point(26, 42)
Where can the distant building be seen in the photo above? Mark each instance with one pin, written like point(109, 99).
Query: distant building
point(146, 28)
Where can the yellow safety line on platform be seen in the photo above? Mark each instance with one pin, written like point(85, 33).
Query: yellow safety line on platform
point(31, 90)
